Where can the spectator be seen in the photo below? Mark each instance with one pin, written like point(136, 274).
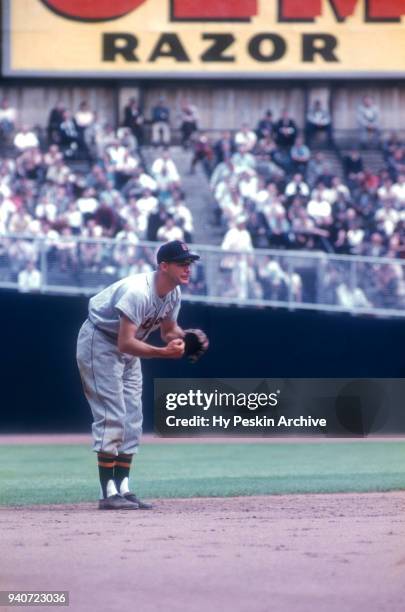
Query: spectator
point(237, 238)
point(279, 227)
point(224, 148)
point(258, 229)
point(70, 140)
point(351, 297)
point(182, 215)
point(8, 119)
point(29, 279)
point(300, 156)
point(164, 169)
point(56, 118)
point(203, 153)
point(265, 126)
point(243, 159)
point(398, 189)
point(285, 130)
point(316, 168)
point(318, 121)
point(161, 123)
point(134, 120)
point(387, 217)
point(354, 168)
point(84, 118)
point(25, 139)
point(297, 186)
point(368, 119)
point(355, 232)
point(189, 122)
point(245, 137)
point(170, 231)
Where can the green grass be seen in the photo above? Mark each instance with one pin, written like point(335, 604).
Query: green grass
point(68, 474)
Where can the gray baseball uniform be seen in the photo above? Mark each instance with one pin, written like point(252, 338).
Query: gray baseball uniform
point(112, 380)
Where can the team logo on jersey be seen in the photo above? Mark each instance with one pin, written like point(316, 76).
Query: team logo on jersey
point(151, 322)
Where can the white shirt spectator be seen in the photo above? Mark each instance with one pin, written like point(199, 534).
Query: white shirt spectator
point(25, 140)
point(337, 188)
point(147, 203)
point(398, 189)
point(355, 237)
point(165, 167)
point(74, 217)
point(147, 182)
point(237, 239)
point(46, 210)
point(248, 185)
point(128, 163)
point(8, 114)
point(297, 187)
point(170, 232)
point(116, 154)
point(19, 222)
point(388, 217)
point(29, 279)
point(351, 298)
point(87, 204)
point(243, 160)
point(272, 209)
point(84, 117)
point(127, 235)
point(7, 209)
point(246, 138)
point(182, 213)
point(319, 208)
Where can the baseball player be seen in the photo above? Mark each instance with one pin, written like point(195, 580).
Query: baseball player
point(110, 344)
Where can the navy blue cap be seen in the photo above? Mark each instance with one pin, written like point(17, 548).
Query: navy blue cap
point(175, 251)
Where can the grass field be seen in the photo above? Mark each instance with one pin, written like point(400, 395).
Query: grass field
point(68, 474)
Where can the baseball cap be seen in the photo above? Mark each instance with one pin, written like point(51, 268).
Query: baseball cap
point(174, 251)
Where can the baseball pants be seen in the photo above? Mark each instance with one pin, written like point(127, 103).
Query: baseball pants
point(112, 383)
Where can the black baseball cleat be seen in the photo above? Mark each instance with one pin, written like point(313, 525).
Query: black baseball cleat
point(141, 504)
point(117, 502)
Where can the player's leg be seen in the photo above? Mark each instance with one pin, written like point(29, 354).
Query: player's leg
point(132, 430)
point(101, 369)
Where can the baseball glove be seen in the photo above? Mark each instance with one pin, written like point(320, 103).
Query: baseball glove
point(196, 344)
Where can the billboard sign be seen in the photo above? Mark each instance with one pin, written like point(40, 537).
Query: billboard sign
point(204, 38)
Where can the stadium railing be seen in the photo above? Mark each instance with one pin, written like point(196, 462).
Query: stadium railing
point(266, 277)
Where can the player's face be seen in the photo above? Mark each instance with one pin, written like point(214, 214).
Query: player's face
point(179, 272)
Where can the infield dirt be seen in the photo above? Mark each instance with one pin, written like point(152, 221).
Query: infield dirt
point(298, 553)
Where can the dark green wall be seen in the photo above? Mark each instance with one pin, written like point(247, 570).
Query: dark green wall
point(41, 390)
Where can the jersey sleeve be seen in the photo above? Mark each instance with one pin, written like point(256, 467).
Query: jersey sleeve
point(133, 305)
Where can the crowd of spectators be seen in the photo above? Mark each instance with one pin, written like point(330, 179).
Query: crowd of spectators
point(86, 179)
point(270, 187)
point(273, 191)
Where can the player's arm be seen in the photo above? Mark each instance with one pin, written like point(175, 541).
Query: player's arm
point(170, 330)
point(127, 343)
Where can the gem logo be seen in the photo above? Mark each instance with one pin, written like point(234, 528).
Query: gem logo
point(93, 10)
point(230, 10)
point(194, 10)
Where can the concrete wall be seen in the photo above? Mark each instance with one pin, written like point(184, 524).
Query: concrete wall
point(221, 105)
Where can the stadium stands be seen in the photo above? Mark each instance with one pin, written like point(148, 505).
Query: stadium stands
point(265, 185)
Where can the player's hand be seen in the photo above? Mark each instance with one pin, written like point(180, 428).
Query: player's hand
point(175, 349)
